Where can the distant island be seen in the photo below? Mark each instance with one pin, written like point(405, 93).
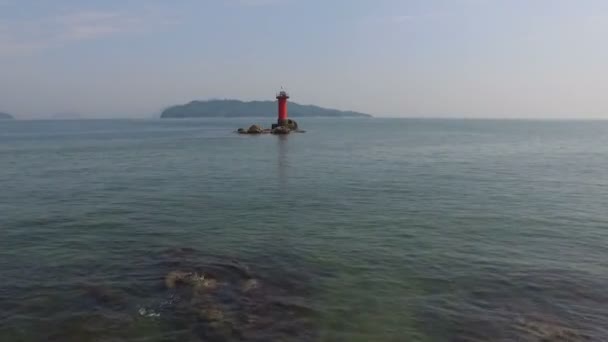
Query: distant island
point(236, 108)
point(5, 116)
point(66, 116)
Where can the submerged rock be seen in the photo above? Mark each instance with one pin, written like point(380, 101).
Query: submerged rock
point(181, 294)
point(147, 313)
point(211, 314)
point(221, 299)
point(545, 332)
point(202, 283)
point(195, 280)
point(106, 296)
point(250, 284)
point(176, 277)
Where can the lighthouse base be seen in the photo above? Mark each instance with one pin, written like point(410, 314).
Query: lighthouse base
point(281, 127)
point(291, 124)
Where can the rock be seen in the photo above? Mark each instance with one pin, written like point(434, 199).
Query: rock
point(255, 129)
point(148, 313)
point(281, 130)
point(210, 284)
point(222, 299)
point(250, 284)
point(292, 125)
point(195, 280)
point(177, 277)
point(202, 283)
point(284, 127)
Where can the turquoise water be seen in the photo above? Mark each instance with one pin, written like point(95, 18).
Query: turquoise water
point(358, 230)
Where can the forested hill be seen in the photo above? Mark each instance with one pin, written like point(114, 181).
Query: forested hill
point(236, 108)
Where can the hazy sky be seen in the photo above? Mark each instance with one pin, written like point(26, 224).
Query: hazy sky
point(451, 58)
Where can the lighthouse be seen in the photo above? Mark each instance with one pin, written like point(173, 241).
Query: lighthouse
point(282, 96)
point(283, 125)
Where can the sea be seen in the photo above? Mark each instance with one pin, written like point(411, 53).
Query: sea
point(356, 230)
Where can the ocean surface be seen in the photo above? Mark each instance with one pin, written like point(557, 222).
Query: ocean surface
point(357, 230)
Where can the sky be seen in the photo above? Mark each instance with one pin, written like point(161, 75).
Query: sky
point(397, 58)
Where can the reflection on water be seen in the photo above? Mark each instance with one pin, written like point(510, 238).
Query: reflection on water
point(283, 159)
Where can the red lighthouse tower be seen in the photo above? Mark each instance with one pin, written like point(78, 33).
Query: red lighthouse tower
point(282, 96)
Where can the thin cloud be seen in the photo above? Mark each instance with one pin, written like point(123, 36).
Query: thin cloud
point(93, 25)
point(398, 19)
point(390, 19)
point(254, 3)
point(27, 37)
point(403, 19)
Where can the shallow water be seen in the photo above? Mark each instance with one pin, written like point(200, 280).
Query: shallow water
point(358, 230)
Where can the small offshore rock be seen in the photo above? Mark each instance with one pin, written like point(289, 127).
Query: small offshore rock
point(292, 125)
point(255, 129)
point(176, 277)
point(241, 131)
